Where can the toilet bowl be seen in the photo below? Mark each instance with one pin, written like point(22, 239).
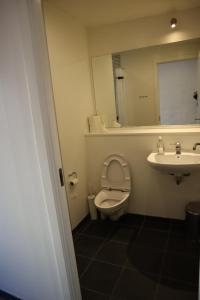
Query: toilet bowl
point(112, 200)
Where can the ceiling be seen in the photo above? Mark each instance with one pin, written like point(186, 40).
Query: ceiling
point(100, 12)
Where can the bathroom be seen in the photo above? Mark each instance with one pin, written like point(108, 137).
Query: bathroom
point(77, 41)
point(100, 136)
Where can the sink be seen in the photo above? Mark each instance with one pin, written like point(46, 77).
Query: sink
point(173, 163)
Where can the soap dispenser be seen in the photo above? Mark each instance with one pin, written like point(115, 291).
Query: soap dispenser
point(160, 145)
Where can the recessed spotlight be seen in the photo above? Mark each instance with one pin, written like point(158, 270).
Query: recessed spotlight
point(173, 22)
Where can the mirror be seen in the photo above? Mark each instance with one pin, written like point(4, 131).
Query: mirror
point(156, 85)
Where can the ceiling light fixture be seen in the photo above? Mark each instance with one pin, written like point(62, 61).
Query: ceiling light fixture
point(173, 22)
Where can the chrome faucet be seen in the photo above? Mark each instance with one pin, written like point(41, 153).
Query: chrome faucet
point(178, 148)
point(195, 146)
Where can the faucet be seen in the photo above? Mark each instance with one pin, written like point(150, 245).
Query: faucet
point(195, 146)
point(178, 148)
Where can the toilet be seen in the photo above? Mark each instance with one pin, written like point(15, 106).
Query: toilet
point(112, 200)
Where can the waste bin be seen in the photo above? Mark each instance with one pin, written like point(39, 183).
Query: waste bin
point(192, 220)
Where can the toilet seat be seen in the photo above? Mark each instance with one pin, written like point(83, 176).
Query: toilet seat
point(112, 183)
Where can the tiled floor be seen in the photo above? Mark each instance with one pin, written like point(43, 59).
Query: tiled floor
point(136, 258)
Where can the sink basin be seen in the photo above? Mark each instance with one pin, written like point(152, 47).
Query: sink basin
point(173, 163)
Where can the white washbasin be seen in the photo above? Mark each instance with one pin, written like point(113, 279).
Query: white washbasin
point(173, 163)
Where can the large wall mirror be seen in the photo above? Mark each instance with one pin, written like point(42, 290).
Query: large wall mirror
point(156, 85)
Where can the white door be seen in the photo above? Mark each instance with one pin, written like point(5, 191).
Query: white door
point(36, 258)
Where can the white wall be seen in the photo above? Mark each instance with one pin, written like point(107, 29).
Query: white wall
point(32, 264)
point(153, 193)
point(104, 88)
point(143, 32)
point(68, 53)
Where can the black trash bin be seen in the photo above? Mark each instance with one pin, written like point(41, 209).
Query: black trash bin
point(192, 220)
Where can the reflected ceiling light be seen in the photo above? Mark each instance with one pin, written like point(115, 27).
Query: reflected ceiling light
point(173, 22)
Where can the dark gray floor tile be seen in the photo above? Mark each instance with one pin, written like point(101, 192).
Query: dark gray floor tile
point(152, 239)
point(178, 227)
point(157, 223)
point(92, 295)
point(175, 290)
point(75, 236)
point(100, 228)
point(82, 263)
point(145, 259)
point(112, 252)
point(181, 267)
point(87, 246)
point(134, 285)
point(100, 277)
point(124, 234)
point(132, 220)
point(82, 225)
point(179, 243)
point(179, 285)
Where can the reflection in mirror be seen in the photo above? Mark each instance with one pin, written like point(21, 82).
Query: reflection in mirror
point(157, 85)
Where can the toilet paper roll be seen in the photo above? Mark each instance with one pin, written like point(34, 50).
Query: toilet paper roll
point(73, 181)
point(96, 124)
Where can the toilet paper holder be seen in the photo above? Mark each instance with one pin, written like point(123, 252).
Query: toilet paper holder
point(73, 178)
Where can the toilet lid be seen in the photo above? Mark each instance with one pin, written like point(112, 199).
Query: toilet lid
point(116, 174)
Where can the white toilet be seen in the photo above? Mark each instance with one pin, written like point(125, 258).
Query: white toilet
point(112, 200)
